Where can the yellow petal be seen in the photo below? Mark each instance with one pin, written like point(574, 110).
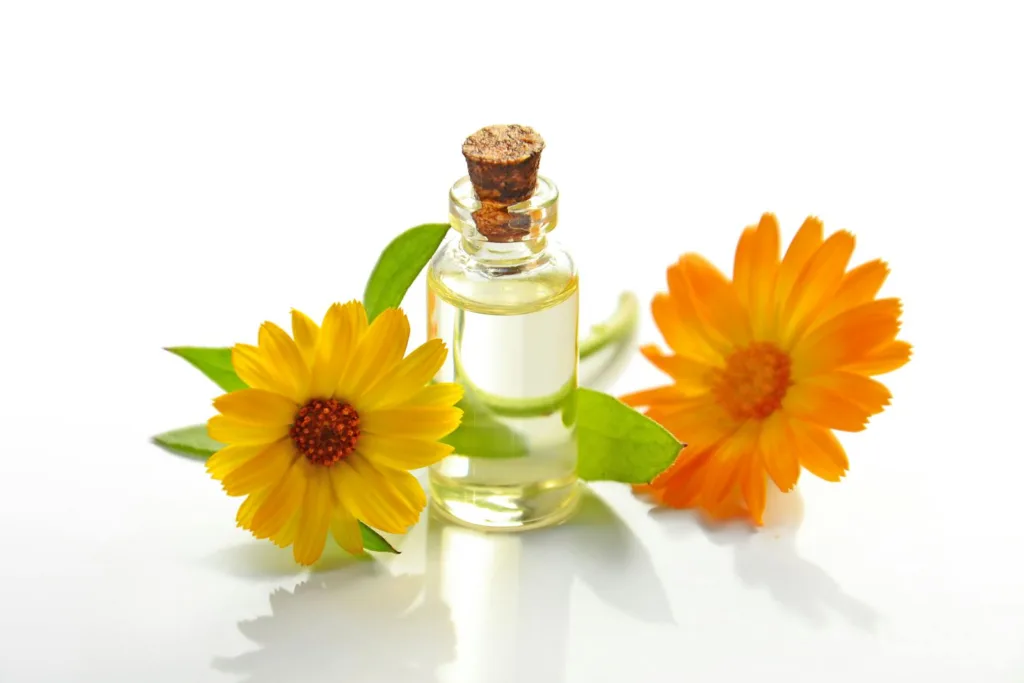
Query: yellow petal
point(248, 509)
point(406, 378)
point(230, 431)
point(777, 452)
point(286, 536)
point(380, 349)
point(816, 404)
point(402, 453)
point(343, 327)
point(345, 530)
point(228, 459)
point(867, 394)
point(820, 452)
point(764, 271)
point(816, 286)
point(283, 358)
point(689, 375)
point(282, 501)
point(369, 497)
point(724, 468)
point(716, 301)
point(262, 471)
point(684, 336)
point(883, 359)
point(440, 394)
point(257, 406)
point(423, 422)
point(859, 286)
point(847, 339)
point(306, 332)
point(254, 370)
point(807, 240)
point(315, 518)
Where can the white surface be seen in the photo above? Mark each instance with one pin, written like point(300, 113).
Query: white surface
point(175, 173)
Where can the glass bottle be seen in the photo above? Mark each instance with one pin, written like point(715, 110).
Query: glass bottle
point(507, 307)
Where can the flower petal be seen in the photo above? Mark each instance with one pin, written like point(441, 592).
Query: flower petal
point(743, 264)
point(659, 396)
point(681, 487)
point(282, 501)
point(716, 301)
point(859, 286)
point(867, 394)
point(807, 240)
point(228, 459)
point(253, 369)
point(778, 454)
point(816, 404)
point(257, 406)
point(249, 507)
point(231, 431)
point(342, 328)
point(753, 484)
point(345, 530)
point(402, 453)
point(369, 496)
point(378, 351)
point(820, 452)
point(815, 287)
point(689, 375)
point(764, 271)
point(883, 359)
point(440, 394)
point(406, 378)
point(423, 422)
point(682, 332)
point(283, 359)
point(847, 339)
point(315, 517)
point(725, 465)
point(262, 471)
point(700, 422)
point(306, 332)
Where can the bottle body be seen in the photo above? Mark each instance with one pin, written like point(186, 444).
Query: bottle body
point(508, 314)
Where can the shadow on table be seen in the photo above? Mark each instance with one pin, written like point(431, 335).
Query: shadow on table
point(768, 558)
point(495, 607)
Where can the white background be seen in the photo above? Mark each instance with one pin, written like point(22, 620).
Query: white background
point(176, 172)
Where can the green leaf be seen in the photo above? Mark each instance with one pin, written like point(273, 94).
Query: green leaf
point(374, 541)
point(482, 435)
point(191, 441)
point(215, 363)
point(617, 443)
point(398, 265)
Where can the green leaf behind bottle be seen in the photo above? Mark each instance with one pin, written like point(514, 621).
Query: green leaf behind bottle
point(399, 265)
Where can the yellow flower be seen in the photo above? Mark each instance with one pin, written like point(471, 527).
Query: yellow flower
point(333, 421)
point(766, 365)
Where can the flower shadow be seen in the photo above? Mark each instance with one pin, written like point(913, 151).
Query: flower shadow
point(768, 558)
point(344, 626)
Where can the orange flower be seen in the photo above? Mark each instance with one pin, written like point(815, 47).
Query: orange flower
point(767, 365)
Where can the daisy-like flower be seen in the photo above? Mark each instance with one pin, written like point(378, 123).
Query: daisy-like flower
point(765, 366)
point(334, 419)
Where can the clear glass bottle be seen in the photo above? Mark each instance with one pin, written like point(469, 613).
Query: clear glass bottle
point(508, 312)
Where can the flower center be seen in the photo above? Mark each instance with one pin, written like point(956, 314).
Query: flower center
point(754, 381)
point(325, 430)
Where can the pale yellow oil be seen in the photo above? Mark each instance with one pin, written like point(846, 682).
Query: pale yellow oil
point(513, 347)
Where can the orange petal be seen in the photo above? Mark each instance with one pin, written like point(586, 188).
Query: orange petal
point(777, 452)
point(698, 422)
point(867, 394)
point(659, 396)
point(883, 359)
point(743, 264)
point(716, 301)
point(689, 375)
point(705, 341)
point(807, 240)
point(681, 488)
point(765, 269)
point(753, 484)
point(847, 339)
point(684, 336)
point(725, 467)
point(859, 286)
point(815, 404)
point(820, 451)
point(816, 286)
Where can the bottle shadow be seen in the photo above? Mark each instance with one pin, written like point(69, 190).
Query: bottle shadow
point(768, 559)
point(476, 606)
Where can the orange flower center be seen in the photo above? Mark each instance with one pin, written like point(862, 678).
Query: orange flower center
point(325, 430)
point(754, 381)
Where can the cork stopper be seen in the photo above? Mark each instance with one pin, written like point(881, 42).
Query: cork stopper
point(502, 162)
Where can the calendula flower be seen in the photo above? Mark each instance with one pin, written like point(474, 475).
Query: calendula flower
point(765, 366)
point(333, 421)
